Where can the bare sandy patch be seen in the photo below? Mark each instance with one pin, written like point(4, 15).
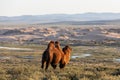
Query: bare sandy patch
point(113, 35)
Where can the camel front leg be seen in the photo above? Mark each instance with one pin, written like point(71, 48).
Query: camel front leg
point(43, 62)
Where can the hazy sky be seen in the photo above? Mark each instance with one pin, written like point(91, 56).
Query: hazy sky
point(38, 7)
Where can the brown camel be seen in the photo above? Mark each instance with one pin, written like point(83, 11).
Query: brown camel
point(51, 56)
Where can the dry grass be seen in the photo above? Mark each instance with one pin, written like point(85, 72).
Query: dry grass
point(99, 66)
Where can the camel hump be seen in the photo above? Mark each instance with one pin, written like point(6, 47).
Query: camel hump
point(57, 44)
point(51, 45)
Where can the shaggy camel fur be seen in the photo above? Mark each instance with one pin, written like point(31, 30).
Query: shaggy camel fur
point(51, 56)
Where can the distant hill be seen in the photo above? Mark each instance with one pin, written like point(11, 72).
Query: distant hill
point(96, 22)
point(52, 18)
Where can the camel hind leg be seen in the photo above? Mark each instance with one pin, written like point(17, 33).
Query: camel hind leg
point(53, 65)
point(62, 65)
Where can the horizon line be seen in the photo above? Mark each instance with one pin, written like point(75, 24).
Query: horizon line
point(60, 13)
